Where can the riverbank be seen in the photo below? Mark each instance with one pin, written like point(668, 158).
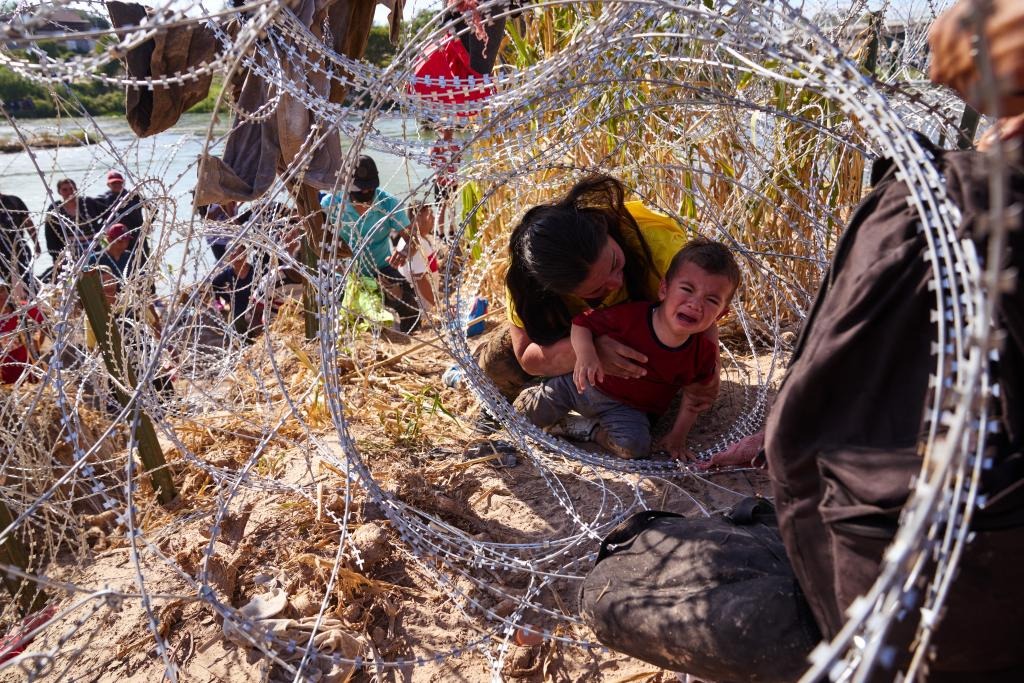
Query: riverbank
point(45, 140)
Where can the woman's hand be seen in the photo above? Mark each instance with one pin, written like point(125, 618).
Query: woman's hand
point(617, 359)
point(951, 41)
point(739, 454)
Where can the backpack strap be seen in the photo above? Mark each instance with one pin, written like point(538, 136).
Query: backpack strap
point(750, 510)
point(629, 529)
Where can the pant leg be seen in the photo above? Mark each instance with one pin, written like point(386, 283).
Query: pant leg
point(398, 295)
point(496, 358)
point(624, 431)
point(547, 403)
point(24, 264)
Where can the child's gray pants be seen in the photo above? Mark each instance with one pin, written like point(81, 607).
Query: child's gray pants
point(625, 431)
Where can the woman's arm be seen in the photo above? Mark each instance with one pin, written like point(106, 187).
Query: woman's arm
point(554, 359)
point(558, 358)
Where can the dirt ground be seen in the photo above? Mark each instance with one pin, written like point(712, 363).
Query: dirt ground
point(272, 490)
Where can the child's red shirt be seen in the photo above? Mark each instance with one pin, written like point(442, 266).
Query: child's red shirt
point(668, 369)
point(14, 364)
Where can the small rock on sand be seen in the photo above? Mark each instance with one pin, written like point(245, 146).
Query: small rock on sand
point(371, 541)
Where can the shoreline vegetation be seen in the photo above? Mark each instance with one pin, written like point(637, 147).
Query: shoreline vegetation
point(26, 99)
point(47, 140)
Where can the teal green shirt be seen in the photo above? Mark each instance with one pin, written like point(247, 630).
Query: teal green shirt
point(384, 217)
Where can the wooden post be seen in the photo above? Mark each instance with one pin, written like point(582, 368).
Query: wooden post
point(12, 552)
point(313, 242)
point(968, 127)
point(876, 25)
point(90, 289)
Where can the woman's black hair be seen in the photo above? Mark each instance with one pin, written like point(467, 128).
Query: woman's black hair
point(554, 246)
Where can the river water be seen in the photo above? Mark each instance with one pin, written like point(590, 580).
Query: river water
point(166, 163)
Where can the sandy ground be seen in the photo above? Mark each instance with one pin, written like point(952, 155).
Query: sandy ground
point(281, 537)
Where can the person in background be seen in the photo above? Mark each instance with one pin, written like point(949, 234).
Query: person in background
point(17, 348)
point(222, 214)
point(232, 287)
point(118, 253)
point(368, 218)
point(16, 230)
point(126, 208)
point(72, 223)
point(417, 260)
point(444, 159)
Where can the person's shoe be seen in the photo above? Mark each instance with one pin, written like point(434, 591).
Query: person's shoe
point(485, 424)
point(501, 453)
point(574, 428)
point(453, 376)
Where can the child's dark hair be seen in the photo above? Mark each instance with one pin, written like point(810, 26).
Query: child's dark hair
point(708, 255)
point(416, 207)
point(554, 246)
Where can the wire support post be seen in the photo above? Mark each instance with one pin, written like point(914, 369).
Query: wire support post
point(312, 243)
point(30, 597)
point(108, 338)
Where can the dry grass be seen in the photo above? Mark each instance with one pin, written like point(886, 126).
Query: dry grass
point(778, 188)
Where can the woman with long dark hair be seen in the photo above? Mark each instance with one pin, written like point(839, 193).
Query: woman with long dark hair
point(588, 250)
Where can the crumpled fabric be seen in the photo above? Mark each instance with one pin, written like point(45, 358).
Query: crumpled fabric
point(152, 111)
point(330, 638)
point(259, 148)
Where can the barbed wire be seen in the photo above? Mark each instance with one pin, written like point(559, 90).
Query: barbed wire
point(746, 122)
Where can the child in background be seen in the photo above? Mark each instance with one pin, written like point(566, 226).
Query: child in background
point(417, 259)
point(118, 251)
point(17, 348)
point(232, 288)
point(694, 294)
point(444, 159)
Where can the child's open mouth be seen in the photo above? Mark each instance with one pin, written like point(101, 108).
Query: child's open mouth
point(685, 319)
